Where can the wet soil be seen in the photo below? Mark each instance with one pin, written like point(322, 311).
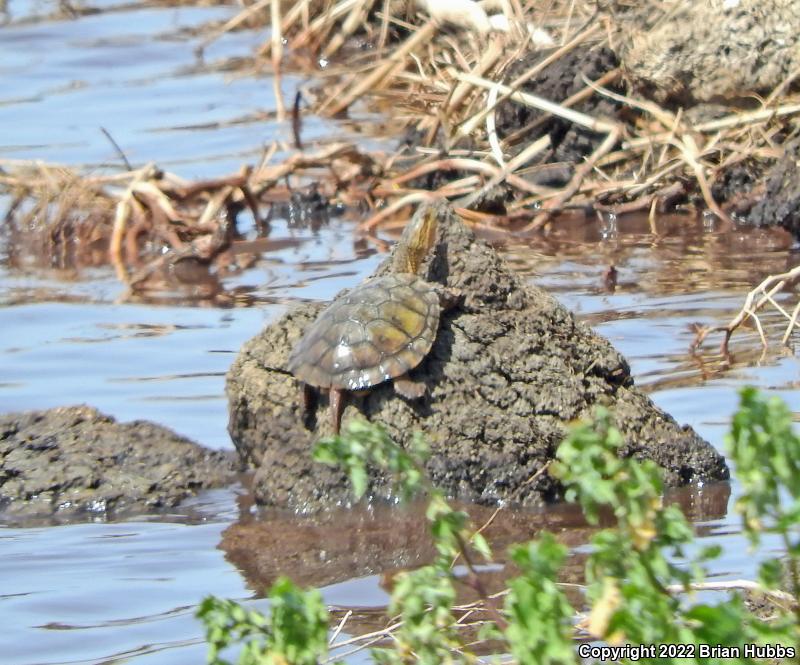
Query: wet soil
point(509, 368)
point(343, 544)
point(559, 81)
point(75, 461)
point(780, 204)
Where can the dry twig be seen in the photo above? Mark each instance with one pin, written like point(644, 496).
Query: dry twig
point(767, 289)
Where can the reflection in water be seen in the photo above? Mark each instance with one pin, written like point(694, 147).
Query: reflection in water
point(682, 258)
point(167, 364)
point(341, 544)
point(699, 277)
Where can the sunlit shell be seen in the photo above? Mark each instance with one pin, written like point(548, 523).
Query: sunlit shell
point(378, 331)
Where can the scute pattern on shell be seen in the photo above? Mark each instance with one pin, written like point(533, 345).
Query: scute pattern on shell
point(378, 331)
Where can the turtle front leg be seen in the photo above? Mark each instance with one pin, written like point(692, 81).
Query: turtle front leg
point(408, 388)
point(309, 402)
point(337, 406)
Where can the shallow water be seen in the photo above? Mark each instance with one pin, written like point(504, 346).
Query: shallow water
point(100, 592)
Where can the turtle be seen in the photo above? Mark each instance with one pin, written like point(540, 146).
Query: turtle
point(378, 331)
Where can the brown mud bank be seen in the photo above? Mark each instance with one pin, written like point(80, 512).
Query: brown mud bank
point(75, 462)
point(509, 369)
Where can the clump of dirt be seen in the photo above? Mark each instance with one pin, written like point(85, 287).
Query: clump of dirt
point(780, 204)
point(711, 51)
point(557, 82)
point(509, 368)
point(75, 461)
point(738, 180)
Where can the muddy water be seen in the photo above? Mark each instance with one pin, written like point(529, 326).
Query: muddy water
point(100, 592)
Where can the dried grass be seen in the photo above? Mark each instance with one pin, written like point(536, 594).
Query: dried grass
point(447, 72)
point(143, 218)
point(471, 618)
point(448, 75)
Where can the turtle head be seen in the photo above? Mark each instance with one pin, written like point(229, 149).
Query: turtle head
point(417, 241)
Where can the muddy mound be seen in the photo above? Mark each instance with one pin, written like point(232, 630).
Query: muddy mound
point(711, 51)
point(557, 82)
point(75, 460)
point(780, 204)
point(509, 368)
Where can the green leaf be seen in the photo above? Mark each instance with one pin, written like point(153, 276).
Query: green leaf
point(539, 630)
point(359, 479)
point(481, 546)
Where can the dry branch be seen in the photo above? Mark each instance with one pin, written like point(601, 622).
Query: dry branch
point(452, 85)
point(146, 218)
point(767, 289)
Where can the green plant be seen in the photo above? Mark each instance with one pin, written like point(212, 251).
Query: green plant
point(296, 631)
point(634, 569)
point(767, 455)
point(639, 577)
point(539, 626)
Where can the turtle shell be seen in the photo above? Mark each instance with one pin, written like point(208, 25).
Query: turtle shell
point(376, 332)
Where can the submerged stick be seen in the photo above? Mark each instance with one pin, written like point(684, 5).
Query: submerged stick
point(119, 150)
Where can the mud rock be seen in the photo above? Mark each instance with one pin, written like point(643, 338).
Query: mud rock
point(713, 51)
point(509, 368)
point(780, 204)
point(557, 82)
point(75, 460)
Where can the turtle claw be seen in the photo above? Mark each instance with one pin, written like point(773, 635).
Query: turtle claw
point(450, 298)
point(408, 388)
